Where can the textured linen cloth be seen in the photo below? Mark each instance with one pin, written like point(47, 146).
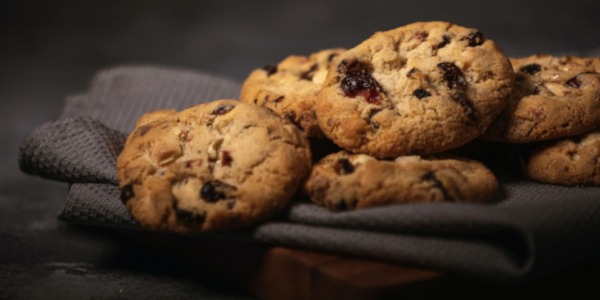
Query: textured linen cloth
point(532, 229)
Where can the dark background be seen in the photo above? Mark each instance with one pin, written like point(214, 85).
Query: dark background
point(50, 49)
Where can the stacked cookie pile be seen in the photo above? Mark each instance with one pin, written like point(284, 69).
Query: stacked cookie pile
point(393, 106)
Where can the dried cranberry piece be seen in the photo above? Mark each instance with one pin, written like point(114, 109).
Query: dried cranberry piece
point(214, 190)
point(344, 166)
point(308, 75)
point(475, 38)
point(226, 159)
point(421, 93)
point(223, 109)
point(452, 74)
point(127, 193)
point(358, 81)
point(431, 177)
point(270, 69)
point(189, 218)
point(531, 68)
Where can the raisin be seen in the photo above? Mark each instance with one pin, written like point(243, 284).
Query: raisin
point(467, 105)
point(430, 176)
point(127, 193)
point(344, 166)
point(445, 41)
point(412, 72)
point(210, 191)
point(331, 57)
point(574, 82)
point(270, 69)
point(308, 75)
point(421, 93)
point(223, 109)
point(189, 218)
point(453, 75)
point(358, 81)
point(475, 38)
point(226, 159)
point(531, 68)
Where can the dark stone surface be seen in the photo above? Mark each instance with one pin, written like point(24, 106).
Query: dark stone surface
point(50, 49)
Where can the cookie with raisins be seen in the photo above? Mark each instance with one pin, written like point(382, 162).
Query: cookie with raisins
point(344, 181)
point(418, 89)
point(553, 97)
point(214, 166)
point(569, 161)
point(290, 88)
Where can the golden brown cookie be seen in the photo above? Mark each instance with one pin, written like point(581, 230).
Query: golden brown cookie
point(571, 161)
point(553, 97)
point(290, 88)
point(219, 165)
point(418, 89)
point(344, 181)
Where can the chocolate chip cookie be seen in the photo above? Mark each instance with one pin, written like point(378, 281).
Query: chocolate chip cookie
point(553, 97)
point(418, 89)
point(344, 181)
point(290, 88)
point(214, 166)
point(571, 161)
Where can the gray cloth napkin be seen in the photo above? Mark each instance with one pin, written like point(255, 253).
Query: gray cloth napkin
point(533, 229)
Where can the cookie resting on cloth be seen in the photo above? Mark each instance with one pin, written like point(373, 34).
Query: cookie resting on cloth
point(570, 161)
point(219, 165)
point(290, 88)
point(554, 97)
point(344, 181)
point(418, 89)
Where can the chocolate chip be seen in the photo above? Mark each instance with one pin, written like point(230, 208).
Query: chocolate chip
point(431, 177)
point(445, 41)
point(357, 80)
point(223, 109)
point(453, 75)
point(531, 68)
point(127, 193)
point(189, 218)
point(270, 69)
point(421, 93)
point(475, 38)
point(226, 159)
point(308, 75)
point(215, 190)
point(467, 105)
point(344, 166)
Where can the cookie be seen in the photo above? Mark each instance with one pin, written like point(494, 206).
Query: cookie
point(554, 97)
point(219, 165)
point(344, 181)
point(571, 161)
point(290, 88)
point(418, 89)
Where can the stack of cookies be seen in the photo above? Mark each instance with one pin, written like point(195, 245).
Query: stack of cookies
point(391, 106)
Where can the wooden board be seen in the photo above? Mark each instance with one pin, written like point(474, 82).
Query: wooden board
point(284, 273)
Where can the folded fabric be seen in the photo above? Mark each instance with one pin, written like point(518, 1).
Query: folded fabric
point(531, 230)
